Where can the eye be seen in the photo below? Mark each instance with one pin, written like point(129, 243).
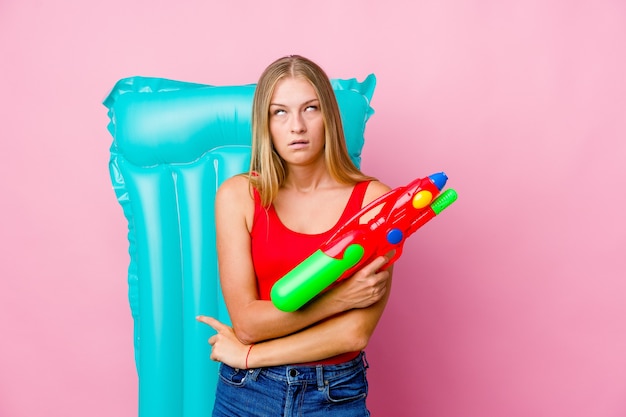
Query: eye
point(278, 112)
point(311, 108)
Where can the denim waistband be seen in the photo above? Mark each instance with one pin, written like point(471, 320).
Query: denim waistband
point(298, 374)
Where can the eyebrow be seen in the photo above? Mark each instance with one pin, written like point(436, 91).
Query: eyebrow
point(303, 104)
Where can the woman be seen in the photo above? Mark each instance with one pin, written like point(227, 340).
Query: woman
point(301, 187)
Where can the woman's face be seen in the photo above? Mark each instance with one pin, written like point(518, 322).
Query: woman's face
point(296, 121)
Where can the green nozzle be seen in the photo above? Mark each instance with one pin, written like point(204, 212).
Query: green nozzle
point(444, 200)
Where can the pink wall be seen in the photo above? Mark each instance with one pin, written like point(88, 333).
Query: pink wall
point(510, 305)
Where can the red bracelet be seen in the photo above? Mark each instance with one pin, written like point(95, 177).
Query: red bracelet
point(248, 354)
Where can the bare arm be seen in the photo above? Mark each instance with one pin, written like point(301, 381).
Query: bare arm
point(347, 332)
point(255, 320)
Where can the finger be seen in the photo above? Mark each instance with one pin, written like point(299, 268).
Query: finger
point(384, 278)
point(215, 324)
point(389, 255)
point(377, 263)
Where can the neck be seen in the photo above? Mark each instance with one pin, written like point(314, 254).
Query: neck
point(307, 178)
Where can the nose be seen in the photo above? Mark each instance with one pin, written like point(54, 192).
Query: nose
point(297, 123)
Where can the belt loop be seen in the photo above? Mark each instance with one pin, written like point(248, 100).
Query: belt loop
point(319, 371)
point(365, 362)
point(254, 373)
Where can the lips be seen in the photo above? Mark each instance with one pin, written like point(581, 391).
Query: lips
point(298, 142)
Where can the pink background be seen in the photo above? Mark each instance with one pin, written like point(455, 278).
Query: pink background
point(512, 304)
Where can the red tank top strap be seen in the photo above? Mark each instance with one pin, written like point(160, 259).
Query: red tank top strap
point(258, 208)
point(356, 201)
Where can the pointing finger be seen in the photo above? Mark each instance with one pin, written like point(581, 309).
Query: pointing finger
point(215, 324)
point(378, 263)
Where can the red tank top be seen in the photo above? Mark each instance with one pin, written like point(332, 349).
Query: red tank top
point(276, 249)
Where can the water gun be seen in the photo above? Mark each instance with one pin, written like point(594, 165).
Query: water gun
point(403, 210)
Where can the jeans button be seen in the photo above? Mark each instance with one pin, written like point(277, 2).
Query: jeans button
point(293, 373)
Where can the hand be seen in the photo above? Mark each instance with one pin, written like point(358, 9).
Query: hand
point(366, 287)
point(225, 347)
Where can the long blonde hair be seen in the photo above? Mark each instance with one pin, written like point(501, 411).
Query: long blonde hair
point(267, 169)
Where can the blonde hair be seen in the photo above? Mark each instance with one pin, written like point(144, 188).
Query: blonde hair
point(267, 169)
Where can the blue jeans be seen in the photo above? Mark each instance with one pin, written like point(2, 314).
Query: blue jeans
point(290, 391)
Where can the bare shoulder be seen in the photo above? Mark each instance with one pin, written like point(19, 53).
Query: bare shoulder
point(375, 190)
point(234, 198)
point(236, 187)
